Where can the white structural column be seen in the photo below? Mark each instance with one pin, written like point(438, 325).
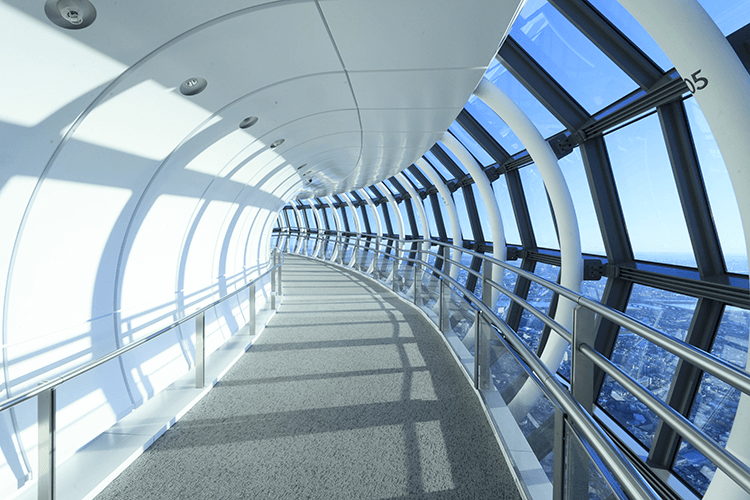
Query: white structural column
point(445, 194)
point(336, 221)
point(711, 68)
point(419, 206)
point(378, 228)
point(571, 269)
point(499, 250)
point(357, 225)
point(301, 225)
point(319, 223)
point(394, 205)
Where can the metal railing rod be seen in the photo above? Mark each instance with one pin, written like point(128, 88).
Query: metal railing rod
point(52, 383)
point(731, 465)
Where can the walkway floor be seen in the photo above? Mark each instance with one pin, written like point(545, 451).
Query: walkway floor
point(349, 393)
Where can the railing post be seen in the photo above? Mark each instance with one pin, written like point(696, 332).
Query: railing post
point(477, 348)
point(251, 310)
point(46, 410)
point(417, 285)
point(582, 368)
point(441, 308)
point(200, 350)
point(558, 467)
point(486, 287)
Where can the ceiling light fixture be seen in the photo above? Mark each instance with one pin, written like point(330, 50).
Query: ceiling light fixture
point(193, 86)
point(249, 122)
point(70, 14)
point(277, 143)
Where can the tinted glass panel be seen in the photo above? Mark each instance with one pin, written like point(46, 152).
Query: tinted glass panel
point(632, 29)
point(394, 217)
point(530, 328)
point(648, 193)
point(502, 195)
point(536, 200)
point(463, 214)
point(721, 196)
point(729, 15)
point(651, 366)
point(588, 225)
point(372, 218)
point(484, 217)
point(473, 146)
point(716, 403)
point(430, 217)
point(413, 179)
point(438, 166)
point(405, 217)
point(509, 283)
point(581, 68)
point(311, 220)
point(545, 121)
point(494, 125)
point(453, 157)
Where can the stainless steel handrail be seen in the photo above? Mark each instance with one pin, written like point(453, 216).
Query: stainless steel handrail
point(727, 462)
point(50, 384)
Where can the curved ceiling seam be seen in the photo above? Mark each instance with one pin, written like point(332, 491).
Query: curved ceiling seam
point(82, 116)
point(348, 78)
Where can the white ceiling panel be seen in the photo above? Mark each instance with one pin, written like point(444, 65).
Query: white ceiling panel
point(440, 88)
point(425, 34)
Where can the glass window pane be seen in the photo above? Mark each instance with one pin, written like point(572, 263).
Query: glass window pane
point(484, 217)
point(384, 224)
point(530, 328)
point(651, 366)
point(453, 157)
point(430, 217)
point(463, 214)
point(394, 217)
point(588, 225)
point(372, 218)
point(390, 186)
point(444, 172)
point(494, 125)
point(413, 179)
point(576, 63)
point(723, 202)
point(648, 194)
point(545, 121)
point(716, 403)
point(502, 195)
point(539, 210)
point(473, 146)
point(311, 220)
point(729, 15)
point(417, 217)
point(632, 29)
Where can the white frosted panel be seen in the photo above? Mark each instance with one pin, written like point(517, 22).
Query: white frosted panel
point(12, 469)
point(88, 405)
point(59, 261)
point(200, 247)
point(154, 255)
point(153, 367)
point(234, 255)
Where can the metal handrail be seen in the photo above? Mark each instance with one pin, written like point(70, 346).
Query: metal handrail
point(727, 462)
point(50, 384)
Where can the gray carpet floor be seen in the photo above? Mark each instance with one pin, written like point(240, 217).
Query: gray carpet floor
point(349, 393)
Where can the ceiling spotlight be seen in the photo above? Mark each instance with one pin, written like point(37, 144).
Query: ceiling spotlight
point(277, 143)
point(193, 86)
point(249, 122)
point(70, 14)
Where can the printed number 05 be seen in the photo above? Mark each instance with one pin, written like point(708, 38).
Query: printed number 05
point(700, 82)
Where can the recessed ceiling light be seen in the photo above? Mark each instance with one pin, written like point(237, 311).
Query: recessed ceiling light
point(249, 122)
point(277, 143)
point(193, 86)
point(70, 14)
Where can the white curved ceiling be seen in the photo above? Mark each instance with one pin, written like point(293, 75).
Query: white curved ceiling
point(358, 90)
